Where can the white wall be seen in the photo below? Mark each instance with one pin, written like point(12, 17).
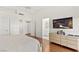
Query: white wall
point(74, 31)
point(55, 13)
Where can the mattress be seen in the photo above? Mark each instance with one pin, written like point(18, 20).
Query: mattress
point(18, 43)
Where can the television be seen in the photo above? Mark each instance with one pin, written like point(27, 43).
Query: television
point(63, 23)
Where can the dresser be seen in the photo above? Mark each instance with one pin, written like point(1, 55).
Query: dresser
point(67, 41)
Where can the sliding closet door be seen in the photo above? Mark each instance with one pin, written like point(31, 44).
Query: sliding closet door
point(26, 27)
point(4, 24)
point(11, 25)
point(14, 25)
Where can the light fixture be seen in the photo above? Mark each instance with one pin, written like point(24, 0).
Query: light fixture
point(27, 21)
point(20, 13)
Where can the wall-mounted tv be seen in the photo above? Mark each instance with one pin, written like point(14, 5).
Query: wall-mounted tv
point(63, 23)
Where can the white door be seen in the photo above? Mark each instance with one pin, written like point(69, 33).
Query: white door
point(4, 25)
point(45, 28)
point(26, 27)
point(15, 25)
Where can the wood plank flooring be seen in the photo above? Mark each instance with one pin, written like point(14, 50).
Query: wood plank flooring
point(57, 48)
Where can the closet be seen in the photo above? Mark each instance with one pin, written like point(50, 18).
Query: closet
point(4, 25)
point(12, 25)
point(15, 21)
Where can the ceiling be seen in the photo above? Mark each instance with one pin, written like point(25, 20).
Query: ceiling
point(54, 10)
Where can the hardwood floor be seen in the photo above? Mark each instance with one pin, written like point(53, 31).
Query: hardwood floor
point(57, 48)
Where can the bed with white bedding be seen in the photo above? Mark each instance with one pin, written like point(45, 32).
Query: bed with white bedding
point(18, 43)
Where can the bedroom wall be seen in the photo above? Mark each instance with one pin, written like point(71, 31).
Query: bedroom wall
point(36, 19)
point(14, 25)
point(58, 12)
point(74, 31)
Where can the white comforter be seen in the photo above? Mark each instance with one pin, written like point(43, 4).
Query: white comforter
point(18, 43)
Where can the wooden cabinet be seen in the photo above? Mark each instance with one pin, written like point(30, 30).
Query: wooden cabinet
point(64, 41)
point(55, 38)
point(72, 42)
point(68, 41)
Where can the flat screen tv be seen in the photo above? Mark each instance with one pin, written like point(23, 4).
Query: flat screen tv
point(63, 23)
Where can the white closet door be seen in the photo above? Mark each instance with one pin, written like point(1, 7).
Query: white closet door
point(14, 25)
point(25, 27)
point(4, 25)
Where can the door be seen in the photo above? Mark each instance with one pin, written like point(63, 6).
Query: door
point(45, 28)
point(45, 34)
point(4, 25)
point(26, 27)
point(15, 25)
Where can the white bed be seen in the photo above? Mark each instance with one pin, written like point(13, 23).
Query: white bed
point(18, 43)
